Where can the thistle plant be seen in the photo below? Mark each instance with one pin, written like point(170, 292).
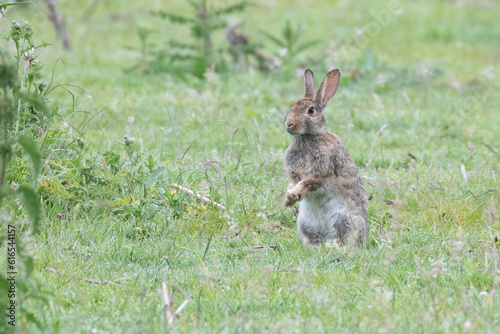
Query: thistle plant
point(28, 94)
point(15, 95)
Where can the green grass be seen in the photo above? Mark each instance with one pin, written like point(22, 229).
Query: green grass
point(431, 262)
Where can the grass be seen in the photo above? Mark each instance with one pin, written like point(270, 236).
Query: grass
point(431, 262)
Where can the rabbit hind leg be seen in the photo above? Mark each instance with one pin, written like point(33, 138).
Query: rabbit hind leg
point(309, 236)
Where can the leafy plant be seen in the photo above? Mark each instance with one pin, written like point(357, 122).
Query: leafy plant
point(143, 32)
point(28, 94)
point(20, 94)
point(290, 41)
point(16, 95)
point(203, 22)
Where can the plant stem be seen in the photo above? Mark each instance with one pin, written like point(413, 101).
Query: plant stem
point(5, 153)
point(17, 88)
point(203, 14)
point(382, 150)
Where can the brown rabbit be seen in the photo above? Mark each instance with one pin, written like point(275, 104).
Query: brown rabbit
point(323, 176)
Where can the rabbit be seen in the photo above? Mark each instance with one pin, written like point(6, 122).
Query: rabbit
point(324, 179)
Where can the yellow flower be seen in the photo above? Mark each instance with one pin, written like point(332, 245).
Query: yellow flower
point(120, 202)
point(192, 211)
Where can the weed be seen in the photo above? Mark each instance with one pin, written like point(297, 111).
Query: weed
point(14, 94)
point(203, 22)
point(289, 41)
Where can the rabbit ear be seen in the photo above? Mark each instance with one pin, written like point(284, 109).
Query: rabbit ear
point(309, 84)
point(328, 87)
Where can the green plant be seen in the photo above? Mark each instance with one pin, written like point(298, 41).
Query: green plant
point(143, 32)
point(28, 92)
point(290, 41)
point(16, 95)
point(203, 22)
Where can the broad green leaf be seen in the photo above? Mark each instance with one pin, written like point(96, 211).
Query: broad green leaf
point(31, 148)
point(30, 201)
point(111, 158)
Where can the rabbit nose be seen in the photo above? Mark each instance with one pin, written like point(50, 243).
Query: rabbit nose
point(289, 125)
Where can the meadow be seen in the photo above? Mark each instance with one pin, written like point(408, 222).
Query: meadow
point(418, 109)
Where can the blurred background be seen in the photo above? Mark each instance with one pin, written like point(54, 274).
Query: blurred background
point(246, 60)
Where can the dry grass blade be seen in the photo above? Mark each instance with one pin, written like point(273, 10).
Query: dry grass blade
point(167, 304)
point(168, 301)
point(104, 282)
point(464, 172)
point(51, 270)
point(181, 307)
point(201, 198)
point(379, 133)
point(412, 156)
point(265, 247)
point(91, 281)
point(259, 247)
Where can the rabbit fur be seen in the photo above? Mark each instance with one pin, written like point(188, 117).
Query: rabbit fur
point(323, 176)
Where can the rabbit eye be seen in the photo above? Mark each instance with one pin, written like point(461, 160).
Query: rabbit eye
point(310, 111)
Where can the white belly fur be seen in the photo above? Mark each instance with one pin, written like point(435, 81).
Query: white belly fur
point(319, 212)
